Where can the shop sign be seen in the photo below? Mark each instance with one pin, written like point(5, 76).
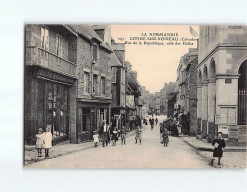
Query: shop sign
point(223, 129)
point(233, 133)
point(130, 101)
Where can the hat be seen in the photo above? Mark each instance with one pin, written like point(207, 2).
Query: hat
point(40, 129)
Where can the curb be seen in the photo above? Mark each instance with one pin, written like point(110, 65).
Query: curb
point(211, 149)
point(29, 162)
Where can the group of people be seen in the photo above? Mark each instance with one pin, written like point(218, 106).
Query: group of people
point(43, 141)
point(152, 121)
point(108, 133)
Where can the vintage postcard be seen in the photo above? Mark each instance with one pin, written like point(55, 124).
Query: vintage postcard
point(135, 96)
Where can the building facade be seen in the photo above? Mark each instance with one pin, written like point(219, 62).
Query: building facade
point(50, 81)
point(221, 90)
point(94, 81)
point(187, 91)
point(118, 106)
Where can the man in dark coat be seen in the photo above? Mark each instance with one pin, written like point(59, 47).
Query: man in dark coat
point(104, 130)
point(219, 145)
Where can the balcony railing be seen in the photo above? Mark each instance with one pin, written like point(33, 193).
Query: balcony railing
point(41, 57)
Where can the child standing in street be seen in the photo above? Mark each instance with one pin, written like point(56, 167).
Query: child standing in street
point(138, 135)
point(114, 136)
point(95, 138)
point(219, 145)
point(47, 141)
point(39, 141)
point(165, 136)
point(123, 136)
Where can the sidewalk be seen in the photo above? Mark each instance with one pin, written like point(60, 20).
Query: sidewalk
point(204, 146)
point(59, 150)
point(234, 157)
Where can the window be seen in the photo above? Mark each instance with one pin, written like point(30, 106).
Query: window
point(114, 74)
point(59, 45)
point(95, 53)
point(86, 82)
point(123, 77)
point(95, 77)
point(44, 42)
point(103, 85)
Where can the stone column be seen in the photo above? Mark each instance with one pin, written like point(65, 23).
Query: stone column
point(199, 108)
point(204, 108)
point(211, 109)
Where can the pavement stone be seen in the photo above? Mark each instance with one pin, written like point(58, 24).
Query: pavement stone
point(30, 155)
point(201, 145)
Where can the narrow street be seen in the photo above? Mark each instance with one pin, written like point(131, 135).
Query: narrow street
point(151, 154)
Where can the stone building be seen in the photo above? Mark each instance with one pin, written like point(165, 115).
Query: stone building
point(164, 92)
point(187, 91)
point(157, 103)
point(94, 79)
point(118, 105)
point(221, 90)
point(133, 94)
point(50, 81)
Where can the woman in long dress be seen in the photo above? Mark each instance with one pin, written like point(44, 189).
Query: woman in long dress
point(47, 141)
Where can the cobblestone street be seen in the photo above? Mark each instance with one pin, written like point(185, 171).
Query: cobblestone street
point(151, 154)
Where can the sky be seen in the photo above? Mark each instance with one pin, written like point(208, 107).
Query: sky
point(154, 64)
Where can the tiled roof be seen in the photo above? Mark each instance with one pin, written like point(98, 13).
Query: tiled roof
point(100, 26)
point(118, 46)
point(115, 61)
point(89, 33)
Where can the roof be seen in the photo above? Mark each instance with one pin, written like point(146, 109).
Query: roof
point(89, 33)
point(99, 27)
point(115, 61)
point(118, 46)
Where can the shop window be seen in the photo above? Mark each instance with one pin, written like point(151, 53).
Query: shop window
point(57, 109)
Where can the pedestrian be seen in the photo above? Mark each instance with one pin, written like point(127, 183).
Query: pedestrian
point(123, 135)
point(95, 138)
point(161, 131)
point(109, 132)
point(219, 145)
point(165, 136)
point(156, 120)
point(114, 136)
point(39, 141)
point(138, 135)
point(47, 141)
point(152, 123)
point(104, 129)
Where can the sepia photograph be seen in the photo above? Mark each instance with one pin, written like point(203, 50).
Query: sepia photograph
point(134, 96)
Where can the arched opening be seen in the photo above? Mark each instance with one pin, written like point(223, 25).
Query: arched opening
point(205, 73)
point(242, 94)
point(212, 71)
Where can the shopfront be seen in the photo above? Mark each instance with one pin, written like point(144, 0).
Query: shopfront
point(47, 105)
